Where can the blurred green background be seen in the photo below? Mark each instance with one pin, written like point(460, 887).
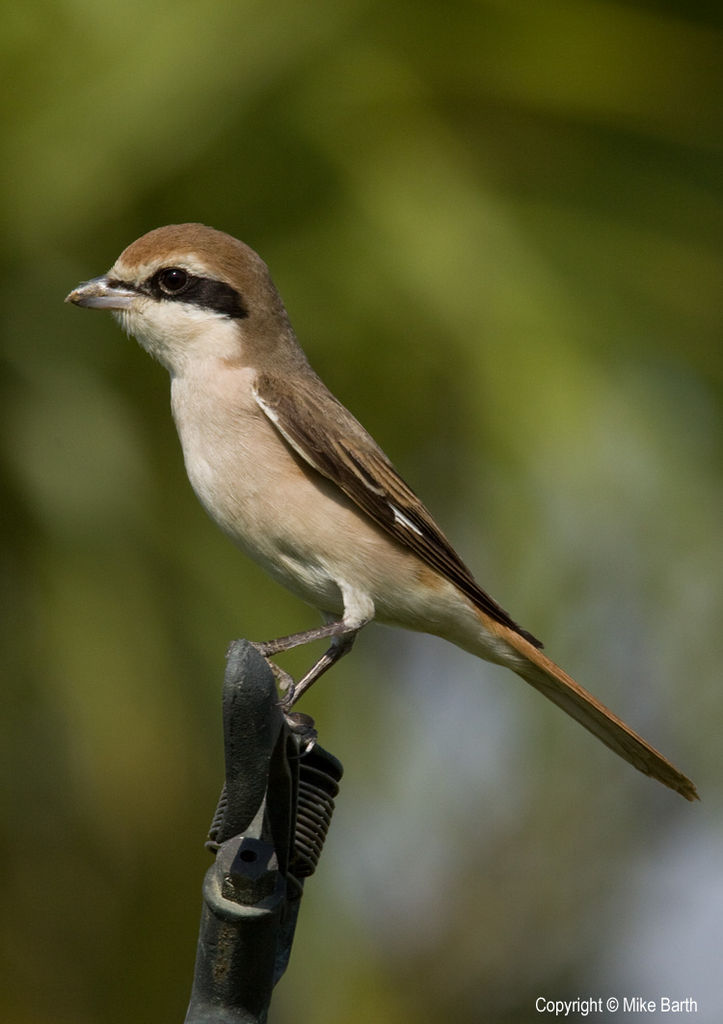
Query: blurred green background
point(497, 230)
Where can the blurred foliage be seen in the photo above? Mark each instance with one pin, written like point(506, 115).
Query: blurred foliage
point(497, 229)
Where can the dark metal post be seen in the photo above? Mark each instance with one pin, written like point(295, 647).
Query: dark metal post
point(268, 832)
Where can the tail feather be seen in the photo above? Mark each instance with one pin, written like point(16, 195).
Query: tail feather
point(547, 677)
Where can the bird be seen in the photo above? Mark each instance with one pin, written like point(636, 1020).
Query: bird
point(296, 482)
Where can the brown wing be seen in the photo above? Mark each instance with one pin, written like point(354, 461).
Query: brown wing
point(326, 435)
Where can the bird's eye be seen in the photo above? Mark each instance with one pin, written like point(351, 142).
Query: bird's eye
point(172, 280)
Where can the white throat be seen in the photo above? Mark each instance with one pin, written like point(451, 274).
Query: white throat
point(181, 336)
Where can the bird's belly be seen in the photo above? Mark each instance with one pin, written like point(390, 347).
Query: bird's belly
point(313, 540)
point(266, 503)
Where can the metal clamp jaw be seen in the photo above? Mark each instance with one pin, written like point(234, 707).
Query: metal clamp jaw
point(268, 832)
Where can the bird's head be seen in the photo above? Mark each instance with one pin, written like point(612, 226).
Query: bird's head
point(189, 292)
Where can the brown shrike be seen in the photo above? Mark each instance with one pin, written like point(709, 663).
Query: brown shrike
point(293, 479)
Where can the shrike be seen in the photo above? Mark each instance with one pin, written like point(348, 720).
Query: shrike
point(297, 483)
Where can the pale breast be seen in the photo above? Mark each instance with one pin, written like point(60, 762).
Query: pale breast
point(251, 483)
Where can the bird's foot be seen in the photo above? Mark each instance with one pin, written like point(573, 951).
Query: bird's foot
point(284, 680)
point(265, 647)
point(300, 725)
point(303, 729)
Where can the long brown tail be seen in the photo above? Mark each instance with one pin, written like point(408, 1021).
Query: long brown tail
point(561, 689)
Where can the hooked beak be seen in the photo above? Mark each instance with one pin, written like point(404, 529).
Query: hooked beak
point(100, 293)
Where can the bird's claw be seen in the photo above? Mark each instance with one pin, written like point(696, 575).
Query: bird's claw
point(303, 730)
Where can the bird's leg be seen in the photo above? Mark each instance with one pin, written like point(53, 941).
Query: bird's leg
point(340, 645)
point(285, 643)
point(342, 636)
